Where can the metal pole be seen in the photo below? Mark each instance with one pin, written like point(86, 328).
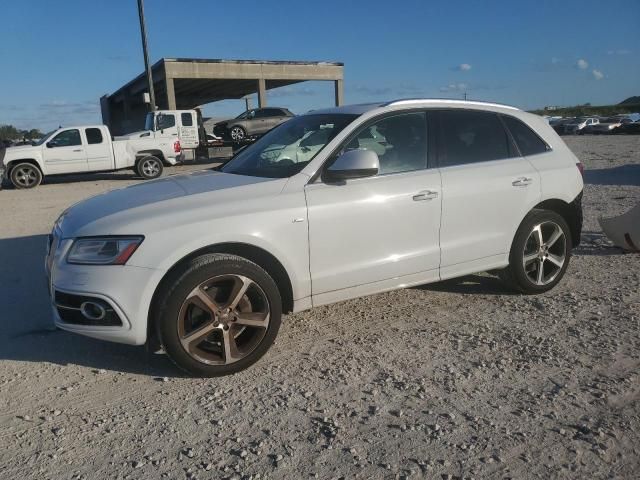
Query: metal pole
point(143, 33)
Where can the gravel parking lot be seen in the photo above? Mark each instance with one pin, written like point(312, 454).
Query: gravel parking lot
point(460, 379)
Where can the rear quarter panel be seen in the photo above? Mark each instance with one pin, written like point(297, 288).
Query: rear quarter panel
point(559, 176)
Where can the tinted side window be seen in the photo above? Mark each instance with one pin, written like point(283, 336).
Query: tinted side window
point(266, 112)
point(186, 119)
point(94, 135)
point(527, 140)
point(166, 120)
point(471, 137)
point(68, 138)
point(399, 141)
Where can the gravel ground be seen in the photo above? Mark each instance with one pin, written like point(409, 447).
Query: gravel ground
point(460, 379)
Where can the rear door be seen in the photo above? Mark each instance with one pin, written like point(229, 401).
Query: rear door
point(188, 130)
point(261, 122)
point(487, 189)
point(98, 148)
point(65, 153)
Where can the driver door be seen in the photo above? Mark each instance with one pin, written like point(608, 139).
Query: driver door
point(65, 153)
point(377, 233)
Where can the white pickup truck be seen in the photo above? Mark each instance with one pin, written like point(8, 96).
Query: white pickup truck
point(87, 148)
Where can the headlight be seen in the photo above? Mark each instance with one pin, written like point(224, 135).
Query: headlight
point(103, 250)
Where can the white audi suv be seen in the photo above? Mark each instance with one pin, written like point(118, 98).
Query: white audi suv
point(331, 205)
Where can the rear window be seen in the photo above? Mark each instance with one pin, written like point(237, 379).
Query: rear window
point(527, 140)
point(94, 135)
point(187, 120)
point(471, 137)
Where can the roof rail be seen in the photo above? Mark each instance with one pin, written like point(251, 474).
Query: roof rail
point(446, 100)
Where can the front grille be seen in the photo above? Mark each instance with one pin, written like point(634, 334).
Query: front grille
point(69, 309)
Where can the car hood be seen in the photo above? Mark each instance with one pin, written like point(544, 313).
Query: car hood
point(152, 205)
point(131, 135)
point(12, 153)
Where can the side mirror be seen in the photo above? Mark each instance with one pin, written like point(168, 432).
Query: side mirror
point(50, 144)
point(353, 164)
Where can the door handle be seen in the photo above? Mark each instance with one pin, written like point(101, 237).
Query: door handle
point(522, 182)
point(78, 150)
point(425, 195)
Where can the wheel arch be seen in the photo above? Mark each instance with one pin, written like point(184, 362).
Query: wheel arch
point(257, 255)
point(152, 152)
point(32, 161)
point(571, 213)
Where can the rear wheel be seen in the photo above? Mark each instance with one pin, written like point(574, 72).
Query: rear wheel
point(149, 167)
point(25, 175)
point(218, 315)
point(540, 253)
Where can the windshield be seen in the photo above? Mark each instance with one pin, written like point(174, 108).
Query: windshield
point(44, 138)
point(243, 115)
point(288, 148)
point(148, 121)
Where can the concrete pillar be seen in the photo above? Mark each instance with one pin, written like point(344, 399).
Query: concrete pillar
point(262, 93)
point(171, 94)
point(339, 92)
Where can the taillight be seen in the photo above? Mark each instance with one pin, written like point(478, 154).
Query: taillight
point(580, 166)
point(176, 146)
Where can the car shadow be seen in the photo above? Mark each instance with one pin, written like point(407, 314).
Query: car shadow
point(28, 333)
point(470, 285)
point(621, 175)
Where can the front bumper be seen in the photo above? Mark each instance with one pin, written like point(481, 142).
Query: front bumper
point(126, 292)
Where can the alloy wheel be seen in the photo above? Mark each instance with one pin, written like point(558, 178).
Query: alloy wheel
point(26, 176)
point(150, 168)
point(237, 133)
point(223, 319)
point(545, 253)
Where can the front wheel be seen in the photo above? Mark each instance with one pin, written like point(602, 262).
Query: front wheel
point(218, 314)
point(149, 167)
point(540, 253)
point(25, 175)
point(237, 134)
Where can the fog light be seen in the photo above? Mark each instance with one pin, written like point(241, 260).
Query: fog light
point(93, 311)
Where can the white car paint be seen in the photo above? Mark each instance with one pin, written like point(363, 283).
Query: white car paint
point(335, 241)
point(183, 126)
point(106, 155)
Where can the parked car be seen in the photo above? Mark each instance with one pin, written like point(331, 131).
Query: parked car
point(560, 124)
point(251, 123)
point(87, 148)
point(628, 128)
point(375, 204)
point(606, 125)
point(577, 125)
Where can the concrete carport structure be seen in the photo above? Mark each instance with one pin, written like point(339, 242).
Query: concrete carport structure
point(185, 83)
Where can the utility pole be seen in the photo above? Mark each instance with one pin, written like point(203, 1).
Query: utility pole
point(145, 51)
point(465, 96)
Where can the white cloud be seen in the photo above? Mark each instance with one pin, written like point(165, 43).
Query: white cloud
point(454, 87)
point(582, 64)
point(622, 51)
point(597, 74)
point(464, 67)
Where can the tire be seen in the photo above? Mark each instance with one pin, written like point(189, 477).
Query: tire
point(237, 133)
point(25, 175)
point(149, 167)
point(217, 314)
point(527, 256)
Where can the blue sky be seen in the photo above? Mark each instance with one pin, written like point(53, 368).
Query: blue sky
point(59, 57)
